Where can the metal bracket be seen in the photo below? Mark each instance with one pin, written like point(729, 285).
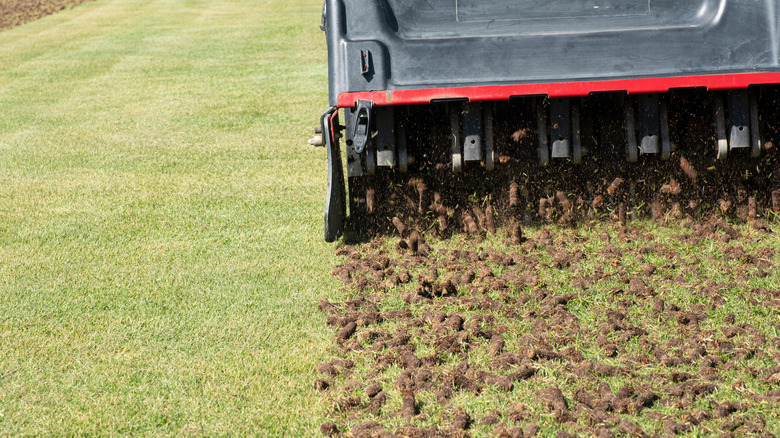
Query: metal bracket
point(335, 202)
point(365, 62)
point(323, 22)
point(384, 140)
point(755, 134)
point(739, 119)
point(362, 125)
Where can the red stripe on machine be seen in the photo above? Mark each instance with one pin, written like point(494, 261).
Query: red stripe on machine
point(559, 89)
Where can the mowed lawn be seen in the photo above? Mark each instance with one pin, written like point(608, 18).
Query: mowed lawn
point(161, 252)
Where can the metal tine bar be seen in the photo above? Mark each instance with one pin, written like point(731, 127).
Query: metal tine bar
point(755, 133)
point(576, 141)
point(720, 125)
point(489, 161)
point(560, 124)
point(630, 125)
point(457, 156)
point(649, 124)
point(472, 132)
point(666, 139)
point(541, 125)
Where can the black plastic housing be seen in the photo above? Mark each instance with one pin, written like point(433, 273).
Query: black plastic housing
point(381, 45)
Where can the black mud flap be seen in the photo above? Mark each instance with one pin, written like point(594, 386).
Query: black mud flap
point(335, 204)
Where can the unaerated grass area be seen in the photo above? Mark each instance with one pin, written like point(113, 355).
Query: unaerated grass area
point(161, 250)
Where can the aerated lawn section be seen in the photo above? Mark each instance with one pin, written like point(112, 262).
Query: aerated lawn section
point(161, 253)
point(599, 330)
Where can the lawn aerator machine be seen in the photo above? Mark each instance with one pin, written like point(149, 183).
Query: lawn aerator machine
point(548, 109)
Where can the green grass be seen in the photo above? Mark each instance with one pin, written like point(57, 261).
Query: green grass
point(161, 219)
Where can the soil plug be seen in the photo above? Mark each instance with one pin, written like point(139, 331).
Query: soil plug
point(480, 217)
point(414, 241)
point(563, 199)
point(373, 389)
point(496, 345)
point(516, 233)
point(321, 385)
point(530, 430)
point(752, 208)
point(346, 332)
point(377, 402)
point(461, 420)
point(490, 221)
point(408, 410)
point(329, 429)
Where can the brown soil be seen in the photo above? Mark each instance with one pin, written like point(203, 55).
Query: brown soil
point(407, 350)
point(16, 12)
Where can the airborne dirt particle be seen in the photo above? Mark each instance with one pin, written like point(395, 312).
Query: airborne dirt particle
point(399, 226)
point(614, 187)
point(776, 201)
point(468, 223)
point(672, 188)
point(688, 169)
point(514, 200)
point(370, 195)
